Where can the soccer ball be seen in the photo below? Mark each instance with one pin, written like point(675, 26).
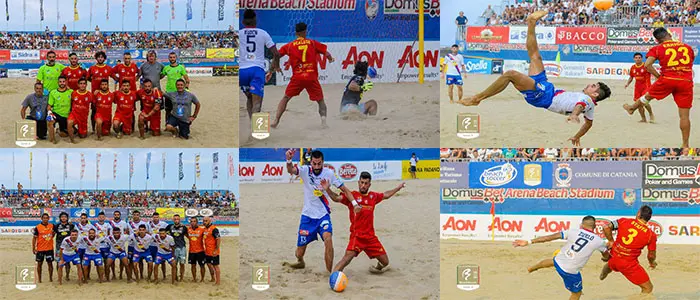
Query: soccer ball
point(603, 4)
point(338, 281)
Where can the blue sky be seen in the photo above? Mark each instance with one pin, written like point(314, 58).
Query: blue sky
point(138, 181)
point(131, 23)
point(449, 10)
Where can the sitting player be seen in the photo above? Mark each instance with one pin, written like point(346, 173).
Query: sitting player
point(355, 88)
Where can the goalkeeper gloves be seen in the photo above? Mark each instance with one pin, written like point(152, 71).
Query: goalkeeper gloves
point(367, 86)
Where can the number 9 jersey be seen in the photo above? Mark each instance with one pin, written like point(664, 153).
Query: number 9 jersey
point(580, 245)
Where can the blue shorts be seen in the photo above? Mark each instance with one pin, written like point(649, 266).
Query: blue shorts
point(130, 252)
point(153, 250)
point(543, 93)
point(104, 252)
point(160, 258)
point(96, 258)
point(252, 80)
point(572, 282)
point(71, 259)
point(138, 256)
point(454, 79)
point(116, 256)
point(310, 229)
point(81, 253)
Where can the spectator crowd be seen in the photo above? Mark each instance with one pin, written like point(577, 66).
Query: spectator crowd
point(567, 154)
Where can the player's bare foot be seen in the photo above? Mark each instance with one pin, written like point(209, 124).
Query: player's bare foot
point(373, 269)
point(296, 265)
point(119, 135)
point(531, 269)
point(72, 140)
point(274, 124)
point(652, 119)
point(533, 17)
point(141, 137)
point(628, 108)
point(99, 138)
point(469, 101)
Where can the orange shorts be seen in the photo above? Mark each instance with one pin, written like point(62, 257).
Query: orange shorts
point(313, 87)
point(80, 120)
point(126, 122)
point(682, 91)
point(371, 246)
point(106, 122)
point(630, 268)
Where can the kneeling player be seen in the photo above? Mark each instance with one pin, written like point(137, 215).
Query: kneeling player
point(117, 251)
point(356, 87)
point(68, 254)
point(166, 251)
point(93, 254)
point(103, 116)
point(362, 236)
point(81, 102)
point(141, 242)
point(150, 108)
point(124, 116)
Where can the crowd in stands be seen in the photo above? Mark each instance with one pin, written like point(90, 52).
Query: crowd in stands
point(97, 40)
point(58, 199)
point(568, 154)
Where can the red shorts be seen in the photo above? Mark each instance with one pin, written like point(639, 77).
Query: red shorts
point(81, 120)
point(126, 122)
point(106, 122)
point(682, 91)
point(313, 87)
point(154, 121)
point(371, 246)
point(640, 91)
point(630, 268)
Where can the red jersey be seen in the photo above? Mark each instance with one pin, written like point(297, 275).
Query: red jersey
point(676, 59)
point(80, 102)
point(125, 103)
point(104, 102)
point(148, 101)
point(362, 225)
point(632, 237)
point(73, 75)
point(642, 77)
point(96, 74)
point(122, 71)
point(303, 57)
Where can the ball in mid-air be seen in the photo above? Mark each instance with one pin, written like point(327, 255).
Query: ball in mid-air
point(338, 281)
point(603, 4)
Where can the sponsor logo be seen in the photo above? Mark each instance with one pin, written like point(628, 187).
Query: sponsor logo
point(191, 212)
point(586, 36)
point(478, 65)
point(506, 225)
point(692, 196)
point(553, 69)
point(379, 168)
point(629, 196)
point(297, 5)
point(601, 223)
point(371, 9)
point(411, 58)
point(656, 227)
point(684, 230)
point(630, 36)
point(347, 171)
point(497, 66)
point(303, 232)
point(563, 175)
point(332, 168)
point(468, 277)
point(533, 174)
point(373, 58)
point(552, 226)
point(498, 175)
point(206, 212)
point(459, 224)
point(671, 174)
point(246, 171)
point(273, 170)
point(430, 7)
point(450, 194)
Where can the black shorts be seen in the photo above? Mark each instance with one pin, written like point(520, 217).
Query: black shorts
point(44, 255)
point(214, 260)
point(196, 258)
point(62, 123)
point(182, 127)
point(413, 169)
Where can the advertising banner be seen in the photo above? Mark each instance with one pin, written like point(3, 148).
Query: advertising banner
point(425, 169)
point(3, 73)
point(5, 55)
point(228, 71)
point(109, 212)
point(598, 174)
point(199, 72)
point(20, 213)
point(454, 175)
point(91, 212)
point(510, 175)
point(485, 34)
point(60, 54)
point(581, 35)
point(193, 53)
point(5, 212)
point(691, 36)
point(477, 66)
point(380, 170)
point(545, 35)
point(168, 213)
point(263, 172)
point(221, 53)
point(671, 174)
point(24, 55)
point(16, 230)
point(630, 36)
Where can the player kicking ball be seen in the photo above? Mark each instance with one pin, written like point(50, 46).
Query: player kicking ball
point(573, 256)
point(540, 93)
point(362, 236)
point(354, 90)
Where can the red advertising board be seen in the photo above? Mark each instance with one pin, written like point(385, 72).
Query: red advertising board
point(677, 33)
point(4, 55)
point(581, 35)
point(482, 34)
point(5, 212)
point(60, 54)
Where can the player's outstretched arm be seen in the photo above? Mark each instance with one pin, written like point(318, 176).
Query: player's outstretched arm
point(576, 139)
point(348, 194)
point(275, 64)
point(291, 168)
point(607, 231)
point(393, 191)
point(649, 64)
point(542, 239)
point(326, 185)
point(651, 256)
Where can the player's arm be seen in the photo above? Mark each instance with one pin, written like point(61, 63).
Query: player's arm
point(218, 239)
point(607, 231)
point(649, 64)
point(576, 139)
point(187, 78)
point(651, 255)
point(291, 168)
point(629, 80)
point(34, 237)
point(354, 86)
point(326, 185)
point(323, 49)
point(197, 106)
point(23, 111)
point(275, 64)
point(348, 194)
point(388, 194)
point(542, 239)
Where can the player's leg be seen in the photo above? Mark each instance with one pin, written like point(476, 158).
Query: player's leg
point(575, 296)
point(210, 266)
point(545, 263)
point(660, 89)
point(519, 80)
point(141, 267)
point(684, 114)
point(217, 269)
point(382, 264)
point(125, 261)
point(52, 131)
point(201, 266)
point(108, 264)
point(150, 268)
point(154, 122)
point(62, 126)
point(67, 266)
point(100, 269)
point(71, 129)
point(162, 267)
point(85, 269)
point(159, 261)
point(49, 264)
point(316, 94)
point(39, 263)
point(450, 88)
point(374, 249)
point(370, 107)
point(293, 89)
point(605, 271)
point(173, 271)
point(83, 128)
point(533, 51)
point(328, 244)
point(142, 125)
point(60, 271)
point(98, 128)
point(683, 96)
point(192, 261)
point(117, 126)
point(460, 92)
point(171, 125)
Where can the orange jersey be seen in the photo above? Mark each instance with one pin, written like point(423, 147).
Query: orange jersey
point(80, 103)
point(676, 59)
point(632, 237)
point(211, 234)
point(125, 103)
point(130, 72)
point(96, 74)
point(73, 75)
point(303, 57)
point(195, 236)
point(148, 101)
point(104, 102)
point(44, 237)
point(642, 77)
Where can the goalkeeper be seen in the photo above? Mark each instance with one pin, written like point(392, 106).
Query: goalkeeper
point(358, 84)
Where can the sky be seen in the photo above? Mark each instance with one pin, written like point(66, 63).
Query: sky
point(449, 10)
point(131, 23)
point(20, 172)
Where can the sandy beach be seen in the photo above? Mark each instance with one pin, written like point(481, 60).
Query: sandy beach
point(406, 224)
point(407, 117)
point(504, 273)
point(508, 121)
point(214, 127)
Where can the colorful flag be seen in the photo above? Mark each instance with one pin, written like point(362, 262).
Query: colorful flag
point(47, 167)
point(41, 9)
point(493, 218)
point(98, 156)
point(91, 12)
point(189, 10)
point(123, 7)
point(221, 10)
point(114, 167)
point(131, 165)
point(76, 17)
point(31, 162)
point(215, 168)
point(230, 165)
point(172, 9)
point(196, 165)
point(163, 159)
point(204, 9)
point(148, 165)
point(155, 12)
point(24, 5)
point(181, 175)
point(140, 8)
point(58, 13)
point(107, 11)
point(7, 11)
point(65, 165)
point(82, 165)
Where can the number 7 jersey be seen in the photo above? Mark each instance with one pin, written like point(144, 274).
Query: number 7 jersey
point(632, 237)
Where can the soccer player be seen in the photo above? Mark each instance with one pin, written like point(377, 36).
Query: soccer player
point(541, 93)
point(573, 256)
point(134, 226)
point(128, 72)
point(49, 73)
point(37, 103)
point(103, 230)
point(315, 216)
point(62, 231)
point(150, 99)
point(154, 226)
point(212, 249)
point(104, 99)
point(165, 250)
point(303, 58)
point(178, 231)
point(632, 236)
point(125, 99)
point(414, 165)
point(676, 78)
point(253, 75)
point(68, 255)
point(152, 69)
point(642, 77)
point(117, 243)
point(59, 109)
point(117, 222)
point(196, 251)
point(42, 245)
point(362, 236)
point(80, 110)
point(141, 242)
point(454, 66)
point(173, 72)
point(180, 118)
point(83, 229)
point(355, 88)
point(96, 74)
point(92, 254)
point(74, 72)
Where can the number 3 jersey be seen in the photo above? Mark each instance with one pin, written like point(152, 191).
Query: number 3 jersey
point(632, 237)
point(580, 245)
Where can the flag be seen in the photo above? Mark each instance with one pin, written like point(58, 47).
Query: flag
point(31, 162)
point(172, 9)
point(114, 167)
point(76, 17)
point(230, 165)
point(65, 165)
point(140, 8)
point(123, 7)
point(13, 165)
point(221, 10)
point(204, 9)
point(493, 218)
point(97, 165)
point(58, 13)
point(196, 165)
point(558, 59)
point(131, 166)
point(24, 5)
point(163, 159)
point(148, 165)
point(181, 175)
point(82, 165)
point(7, 11)
point(47, 167)
point(41, 9)
point(215, 168)
point(189, 10)
point(91, 1)
point(107, 11)
point(155, 12)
